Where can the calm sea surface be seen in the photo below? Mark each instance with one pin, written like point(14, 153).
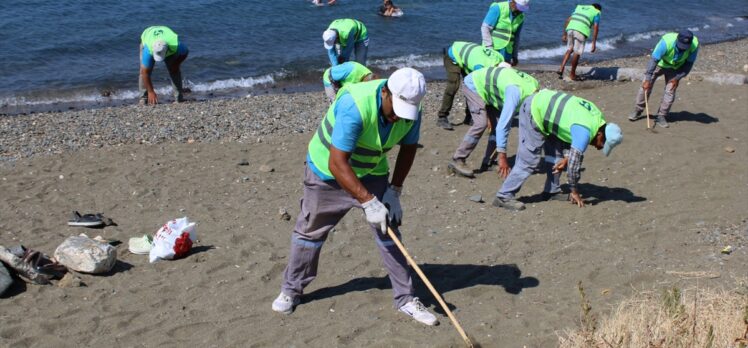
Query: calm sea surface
point(86, 52)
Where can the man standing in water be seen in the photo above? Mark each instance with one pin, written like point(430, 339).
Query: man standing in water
point(160, 44)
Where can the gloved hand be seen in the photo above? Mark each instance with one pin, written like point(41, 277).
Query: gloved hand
point(376, 213)
point(391, 200)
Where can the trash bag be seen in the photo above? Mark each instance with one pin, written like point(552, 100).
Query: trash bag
point(173, 240)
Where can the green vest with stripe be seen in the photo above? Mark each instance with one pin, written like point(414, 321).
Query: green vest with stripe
point(370, 155)
point(357, 73)
point(346, 27)
point(555, 112)
point(491, 83)
point(668, 60)
point(582, 19)
point(502, 35)
point(151, 34)
point(468, 55)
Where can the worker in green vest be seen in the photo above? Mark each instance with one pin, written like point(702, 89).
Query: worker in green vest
point(673, 57)
point(487, 91)
point(562, 126)
point(340, 75)
point(342, 37)
point(460, 59)
point(346, 167)
point(502, 25)
point(160, 44)
point(584, 20)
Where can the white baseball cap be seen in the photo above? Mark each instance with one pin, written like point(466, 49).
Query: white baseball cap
point(522, 5)
point(408, 86)
point(504, 65)
point(159, 50)
point(329, 36)
point(613, 137)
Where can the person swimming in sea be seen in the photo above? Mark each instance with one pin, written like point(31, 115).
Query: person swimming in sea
point(319, 2)
point(388, 9)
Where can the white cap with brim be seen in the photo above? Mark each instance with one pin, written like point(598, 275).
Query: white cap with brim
point(407, 86)
point(159, 50)
point(504, 65)
point(522, 5)
point(329, 36)
point(613, 137)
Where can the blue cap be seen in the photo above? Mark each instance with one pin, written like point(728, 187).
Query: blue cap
point(685, 37)
point(613, 137)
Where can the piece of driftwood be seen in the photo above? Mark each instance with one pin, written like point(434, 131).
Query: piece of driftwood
point(26, 271)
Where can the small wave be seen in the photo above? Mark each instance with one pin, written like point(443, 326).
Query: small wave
point(694, 29)
point(412, 60)
point(126, 94)
point(549, 52)
point(646, 35)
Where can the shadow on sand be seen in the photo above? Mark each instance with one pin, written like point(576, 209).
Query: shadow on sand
point(444, 277)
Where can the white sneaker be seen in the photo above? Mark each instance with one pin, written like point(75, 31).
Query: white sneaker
point(285, 304)
point(418, 311)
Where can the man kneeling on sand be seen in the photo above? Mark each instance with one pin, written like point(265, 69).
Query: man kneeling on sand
point(347, 168)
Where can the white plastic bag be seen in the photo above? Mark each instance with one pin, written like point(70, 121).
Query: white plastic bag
point(173, 240)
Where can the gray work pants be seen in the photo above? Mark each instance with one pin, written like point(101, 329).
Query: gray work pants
point(324, 203)
point(667, 98)
point(529, 146)
point(175, 74)
point(482, 114)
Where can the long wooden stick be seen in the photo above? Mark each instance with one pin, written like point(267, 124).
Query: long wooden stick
point(431, 287)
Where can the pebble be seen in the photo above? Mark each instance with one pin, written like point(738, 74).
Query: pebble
point(243, 163)
point(729, 149)
point(70, 281)
point(86, 255)
point(266, 168)
point(476, 198)
point(284, 215)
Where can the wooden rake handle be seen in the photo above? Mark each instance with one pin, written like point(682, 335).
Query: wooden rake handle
point(451, 316)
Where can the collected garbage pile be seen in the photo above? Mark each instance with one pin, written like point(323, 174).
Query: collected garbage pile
point(90, 255)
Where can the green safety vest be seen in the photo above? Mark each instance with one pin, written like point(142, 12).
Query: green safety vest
point(555, 112)
point(581, 19)
point(468, 55)
point(355, 76)
point(345, 27)
point(491, 83)
point(370, 155)
point(668, 61)
point(151, 34)
point(502, 34)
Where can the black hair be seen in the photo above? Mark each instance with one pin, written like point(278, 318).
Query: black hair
point(597, 6)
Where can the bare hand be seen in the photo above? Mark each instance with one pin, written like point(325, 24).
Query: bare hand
point(560, 166)
point(646, 85)
point(594, 48)
point(576, 199)
point(152, 98)
point(504, 167)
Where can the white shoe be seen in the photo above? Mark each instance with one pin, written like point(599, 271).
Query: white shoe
point(418, 311)
point(285, 304)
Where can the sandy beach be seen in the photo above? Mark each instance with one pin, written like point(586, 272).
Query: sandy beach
point(660, 207)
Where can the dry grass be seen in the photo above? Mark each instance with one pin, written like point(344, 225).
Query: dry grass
point(695, 317)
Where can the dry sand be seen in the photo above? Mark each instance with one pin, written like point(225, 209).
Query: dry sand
point(661, 203)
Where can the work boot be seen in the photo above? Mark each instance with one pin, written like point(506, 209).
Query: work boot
point(556, 196)
point(460, 168)
point(508, 203)
point(416, 310)
point(285, 304)
point(443, 122)
point(660, 121)
point(635, 116)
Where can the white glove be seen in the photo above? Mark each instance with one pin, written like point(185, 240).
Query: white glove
point(376, 213)
point(392, 199)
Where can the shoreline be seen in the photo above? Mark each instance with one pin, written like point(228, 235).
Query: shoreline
point(433, 74)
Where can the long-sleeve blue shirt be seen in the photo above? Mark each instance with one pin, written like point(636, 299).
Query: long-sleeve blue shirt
point(345, 50)
point(349, 125)
point(660, 51)
point(489, 22)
